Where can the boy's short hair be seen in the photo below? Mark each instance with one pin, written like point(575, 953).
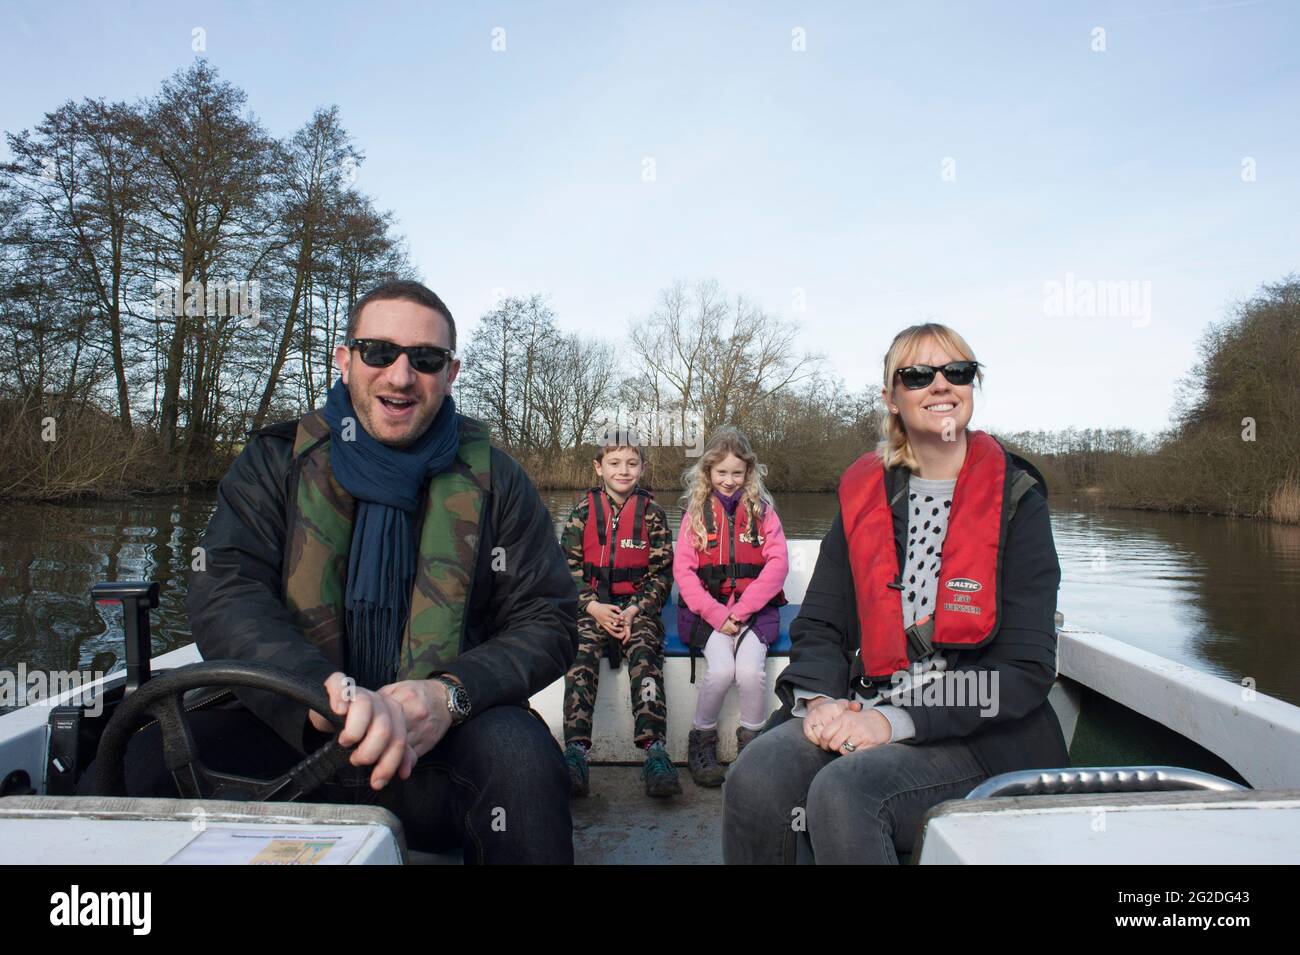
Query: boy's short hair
point(615, 439)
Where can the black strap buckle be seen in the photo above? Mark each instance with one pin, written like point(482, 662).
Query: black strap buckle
point(920, 637)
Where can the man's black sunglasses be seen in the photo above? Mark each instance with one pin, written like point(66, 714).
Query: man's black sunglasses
point(378, 353)
point(916, 377)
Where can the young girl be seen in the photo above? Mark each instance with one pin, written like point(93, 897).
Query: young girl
point(730, 565)
point(620, 552)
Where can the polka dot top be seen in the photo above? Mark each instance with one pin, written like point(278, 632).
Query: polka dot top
point(928, 506)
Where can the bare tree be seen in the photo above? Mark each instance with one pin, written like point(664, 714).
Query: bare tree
point(80, 177)
point(208, 166)
point(716, 360)
point(310, 179)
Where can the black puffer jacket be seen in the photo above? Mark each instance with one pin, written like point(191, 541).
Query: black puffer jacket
point(521, 630)
point(1024, 734)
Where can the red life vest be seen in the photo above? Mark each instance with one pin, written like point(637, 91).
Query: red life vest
point(966, 606)
point(615, 550)
point(733, 552)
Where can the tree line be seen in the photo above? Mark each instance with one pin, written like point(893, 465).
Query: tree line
point(171, 274)
point(1233, 446)
point(698, 359)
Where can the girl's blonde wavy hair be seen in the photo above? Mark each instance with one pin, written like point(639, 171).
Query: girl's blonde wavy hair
point(698, 486)
point(894, 448)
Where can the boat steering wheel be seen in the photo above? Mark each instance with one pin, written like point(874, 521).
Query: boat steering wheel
point(162, 699)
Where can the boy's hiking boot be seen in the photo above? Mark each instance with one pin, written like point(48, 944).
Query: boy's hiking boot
point(743, 738)
point(659, 773)
point(702, 758)
point(575, 757)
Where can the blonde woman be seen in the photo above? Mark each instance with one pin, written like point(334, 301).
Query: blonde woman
point(925, 646)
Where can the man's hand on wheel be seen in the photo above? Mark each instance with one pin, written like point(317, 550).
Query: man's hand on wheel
point(373, 721)
point(424, 705)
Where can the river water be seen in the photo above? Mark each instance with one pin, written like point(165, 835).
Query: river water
point(1219, 594)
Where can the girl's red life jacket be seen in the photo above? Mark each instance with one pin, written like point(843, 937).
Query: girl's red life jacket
point(615, 550)
point(966, 605)
point(733, 552)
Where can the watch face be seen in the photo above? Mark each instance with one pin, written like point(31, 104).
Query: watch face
point(459, 699)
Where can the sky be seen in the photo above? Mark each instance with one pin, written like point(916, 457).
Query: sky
point(1079, 189)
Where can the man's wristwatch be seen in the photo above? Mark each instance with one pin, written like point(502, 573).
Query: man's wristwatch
point(457, 700)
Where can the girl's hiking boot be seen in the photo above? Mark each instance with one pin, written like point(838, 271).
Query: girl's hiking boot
point(702, 758)
point(659, 773)
point(743, 738)
point(575, 757)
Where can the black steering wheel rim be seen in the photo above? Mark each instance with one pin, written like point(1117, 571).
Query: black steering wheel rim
point(162, 698)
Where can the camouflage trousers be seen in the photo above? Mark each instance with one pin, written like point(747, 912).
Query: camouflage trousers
point(643, 654)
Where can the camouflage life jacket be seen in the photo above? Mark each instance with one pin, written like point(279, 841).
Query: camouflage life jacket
point(319, 538)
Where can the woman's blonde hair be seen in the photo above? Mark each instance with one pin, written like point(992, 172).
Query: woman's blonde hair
point(894, 447)
point(698, 485)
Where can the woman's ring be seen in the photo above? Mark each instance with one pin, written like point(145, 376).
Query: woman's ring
point(848, 747)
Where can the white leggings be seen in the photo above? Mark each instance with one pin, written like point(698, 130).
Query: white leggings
point(748, 669)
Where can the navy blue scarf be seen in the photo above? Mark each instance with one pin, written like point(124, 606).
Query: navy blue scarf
point(387, 483)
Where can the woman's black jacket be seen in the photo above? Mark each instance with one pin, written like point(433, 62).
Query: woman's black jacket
point(1024, 733)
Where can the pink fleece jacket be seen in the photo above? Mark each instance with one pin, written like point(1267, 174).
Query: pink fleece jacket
point(686, 561)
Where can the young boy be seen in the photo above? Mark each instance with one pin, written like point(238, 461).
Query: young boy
point(620, 552)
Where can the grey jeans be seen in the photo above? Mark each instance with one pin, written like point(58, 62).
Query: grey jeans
point(860, 808)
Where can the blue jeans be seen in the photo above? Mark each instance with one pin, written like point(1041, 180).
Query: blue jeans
point(495, 786)
point(860, 808)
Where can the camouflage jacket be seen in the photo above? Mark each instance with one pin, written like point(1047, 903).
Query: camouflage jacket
point(520, 631)
point(320, 542)
point(656, 585)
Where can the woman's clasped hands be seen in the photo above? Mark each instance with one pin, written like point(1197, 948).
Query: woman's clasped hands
point(843, 726)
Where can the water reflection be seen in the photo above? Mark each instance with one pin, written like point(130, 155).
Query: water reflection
point(51, 555)
point(1217, 594)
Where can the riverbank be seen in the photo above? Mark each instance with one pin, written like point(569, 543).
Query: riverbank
point(1099, 500)
point(126, 486)
point(1286, 512)
point(65, 450)
point(115, 492)
point(1167, 481)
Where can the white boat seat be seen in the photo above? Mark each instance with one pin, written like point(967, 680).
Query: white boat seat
point(97, 830)
point(1196, 827)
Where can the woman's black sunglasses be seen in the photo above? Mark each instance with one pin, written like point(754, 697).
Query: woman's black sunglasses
point(916, 377)
point(378, 353)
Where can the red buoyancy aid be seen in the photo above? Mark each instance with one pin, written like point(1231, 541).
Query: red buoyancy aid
point(615, 549)
point(965, 613)
point(733, 552)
